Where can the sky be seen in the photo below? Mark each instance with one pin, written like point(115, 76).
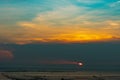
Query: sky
point(62, 30)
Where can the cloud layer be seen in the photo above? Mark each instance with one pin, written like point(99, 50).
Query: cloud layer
point(62, 21)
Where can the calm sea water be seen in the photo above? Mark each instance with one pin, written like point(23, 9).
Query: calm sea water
point(57, 68)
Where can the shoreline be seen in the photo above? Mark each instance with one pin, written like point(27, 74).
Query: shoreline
point(60, 75)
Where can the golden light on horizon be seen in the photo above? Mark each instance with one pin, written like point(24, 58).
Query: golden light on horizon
point(68, 38)
point(80, 38)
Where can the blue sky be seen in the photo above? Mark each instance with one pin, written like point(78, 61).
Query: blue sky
point(29, 8)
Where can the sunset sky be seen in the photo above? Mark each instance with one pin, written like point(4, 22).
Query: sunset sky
point(28, 25)
point(29, 21)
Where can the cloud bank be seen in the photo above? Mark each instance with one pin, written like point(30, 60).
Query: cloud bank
point(65, 21)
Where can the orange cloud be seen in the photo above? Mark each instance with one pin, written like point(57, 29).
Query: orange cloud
point(81, 38)
point(80, 33)
point(6, 55)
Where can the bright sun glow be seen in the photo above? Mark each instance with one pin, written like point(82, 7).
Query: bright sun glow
point(80, 64)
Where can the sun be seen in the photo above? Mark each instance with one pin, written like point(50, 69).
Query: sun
point(80, 63)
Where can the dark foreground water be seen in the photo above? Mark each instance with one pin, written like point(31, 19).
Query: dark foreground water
point(63, 68)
